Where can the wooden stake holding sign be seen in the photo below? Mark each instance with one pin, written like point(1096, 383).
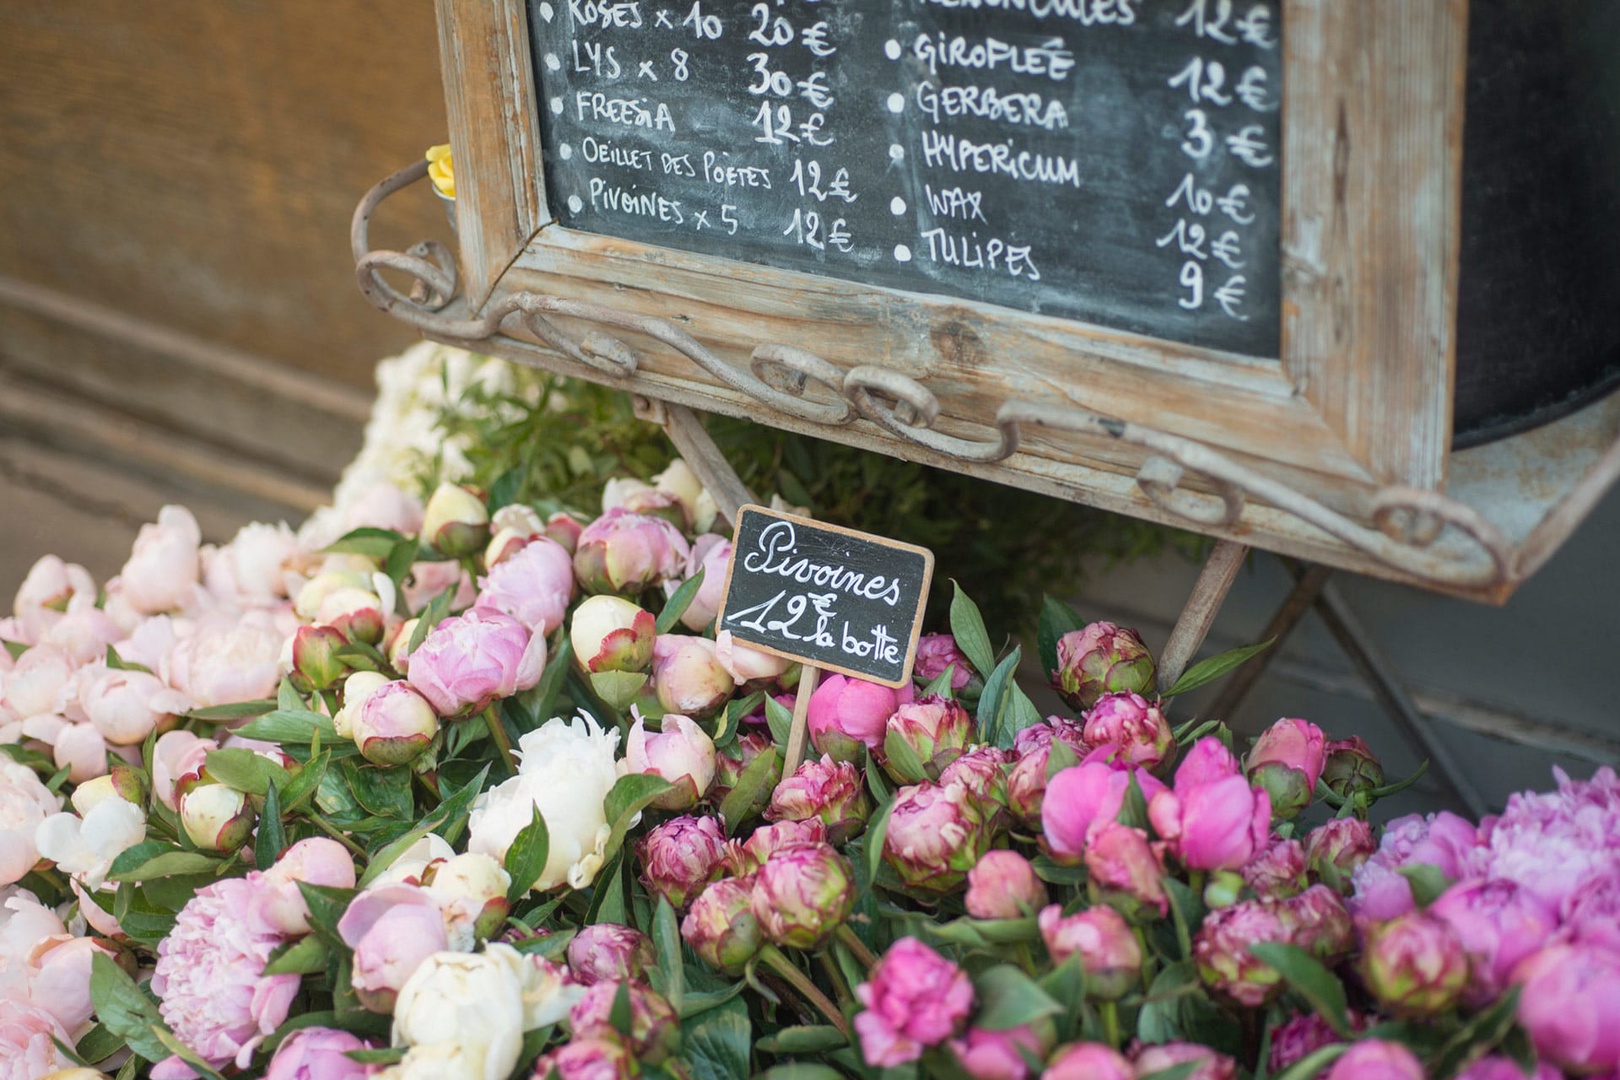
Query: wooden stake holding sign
point(831, 598)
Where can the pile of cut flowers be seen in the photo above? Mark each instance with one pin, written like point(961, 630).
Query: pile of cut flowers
point(475, 790)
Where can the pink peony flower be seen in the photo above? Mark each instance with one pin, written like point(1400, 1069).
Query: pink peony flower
point(252, 569)
point(319, 1053)
point(1499, 924)
point(937, 833)
point(315, 861)
point(681, 856)
point(1493, 1067)
point(1136, 726)
point(830, 790)
point(611, 952)
point(1205, 762)
point(1287, 760)
point(654, 1027)
point(1089, 1061)
point(1443, 840)
point(1218, 825)
point(935, 653)
point(392, 930)
point(721, 928)
point(1300, 1036)
point(681, 753)
point(1570, 1005)
point(1414, 965)
point(624, 552)
point(126, 706)
point(46, 592)
point(1212, 1065)
point(998, 1055)
point(1101, 659)
point(606, 1058)
point(1088, 794)
point(1003, 886)
point(711, 554)
point(915, 999)
point(26, 1033)
point(1102, 939)
point(210, 980)
point(163, 567)
point(846, 713)
point(746, 857)
point(937, 729)
point(1125, 869)
point(1278, 871)
point(472, 659)
point(687, 675)
point(228, 658)
point(533, 586)
point(24, 802)
point(1377, 1059)
point(802, 895)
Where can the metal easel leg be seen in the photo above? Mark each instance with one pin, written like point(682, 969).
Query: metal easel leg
point(1210, 590)
point(699, 451)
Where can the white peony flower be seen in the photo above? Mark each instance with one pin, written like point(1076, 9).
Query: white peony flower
point(24, 803)
point(464, 1014)
point(85, 847)
point(567, 769)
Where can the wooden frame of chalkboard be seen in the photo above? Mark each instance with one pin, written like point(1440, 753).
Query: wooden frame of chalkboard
point(1320, 452)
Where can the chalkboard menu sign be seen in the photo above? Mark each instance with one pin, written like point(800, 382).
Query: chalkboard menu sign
point(825, 595)
point(1110, 161)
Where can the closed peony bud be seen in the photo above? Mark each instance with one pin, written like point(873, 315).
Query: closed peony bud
point(654, 1028)
point(624, 552)
point(934, 729)
point(1334, 850)
point(1217, 824)
point(1319, 924)
point(749, 668)
point(1133, 724)
point(358, 687)
point(513, 526)
point(1212, 1065)
point(1414, 965)
point(604, 1058)
point(393, 931)
point(455, 521)
point(1377, 1059)
point(829, 790)
point(1101, 659)
point(846, 714)
point(1286, 761)
point(1004, 886)
point(914, 999)
point(1125, 870)
point(712, 555)
point(565, 529)
point(936, 834)
point(318, 1053)
point(1349, 767)
point(359, 614)
point(314, 655)
point(314, 861)
point(747, 857)
point(802, 895)
point(473, 659)
point(216, 817)
point(681, 856)
point(612, 634)
point(1026, 787)
point(984, 1054)
point(1221, 950)
point(470, 890)
point(1102, 939)
point(393, 725)
point(1088, 1061)
point(983, 771)
point(1300, 1036)
point(935, 653)
point(682, 753)
point(721, 927)
point(608, 951)
point(688, 677)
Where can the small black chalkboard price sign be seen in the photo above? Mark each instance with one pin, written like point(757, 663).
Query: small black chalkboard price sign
point(826, 596)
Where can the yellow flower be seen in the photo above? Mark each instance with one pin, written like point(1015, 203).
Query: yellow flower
point(440, 170)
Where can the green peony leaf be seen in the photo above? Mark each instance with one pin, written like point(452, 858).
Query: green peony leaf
point(245, 770)
point(666, 935)
point(304, 956)
point(967, 626)
point(289, 725)
point(1428, 882)
point(371, 542)
point(240, 710)
point(1307, 977)
point(628, 797)
point(526, 858)
point(1057, 619)
point(271, 838)
point(124, 1010)
point(677, 604)
point(804, 1039)
point(1207, 671)
point(992, 703)
point(1009, 998)
point(752, 792)
point(717, 1044)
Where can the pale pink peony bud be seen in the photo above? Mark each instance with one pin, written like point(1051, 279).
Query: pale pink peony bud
point(318, 1053)
point(654, 1028)
point(1089, 1061)
point(847, 713)
point(1108, 950)
point(1124, 869)
point(681, 856)
point(1377, 1059)
point(936, 834)
point(711, 554)
point(534, 586)
point(473, 659)
point(678, 479)
point(216, 817)
point(1133, 724)
point(914, 999)
point(164, 566)
point(802, 895)
point(1004, 886)
point(1286, 761)
point(1101, 659)
point(721, 927)
point(127, 706)
point(612, 634)
point(832, 791)
point(394, 724)
point(1414, 965)
point(565, 529)
point(359, 614)
point(936, 730)
point(45, 592)
point(748, 667)
point(455, 521)
point(624, 552)
point(688, 677)
point(514, 525)
point(316, 861)
point(470, 890)
point(392, 930)
point(611, 952)
point(682, 753)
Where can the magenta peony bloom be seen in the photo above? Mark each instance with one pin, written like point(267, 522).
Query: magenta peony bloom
point(624, 552)
point(1205, 762)
point(1492, 1067)
point(1300, 1036)
point(1089, 1061)
point(831, 791)
point(1377, 1059)
point(1218, 825)
point(1087, 795)
point(318, 1053)
point(935, 653)
point(533, 586)
point(609, 951)
point(1126, 870)
point(846, 713)
point(209, 975)
point(1286, 760)
point(1570, 1005)
point(998, 1055)
point(915, 999)
point(1133, 724)
point(1101, 659)
point(654, 1027)
point(681, 856)
point(1499, 924)
point(604, 1058)
point(1004, 886)
point(1100, 936)
point(472, 659)
point(1212, 1065)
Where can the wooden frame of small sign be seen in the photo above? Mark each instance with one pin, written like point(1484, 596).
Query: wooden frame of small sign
point(833, 577)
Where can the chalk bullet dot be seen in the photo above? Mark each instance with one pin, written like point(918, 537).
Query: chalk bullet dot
point(897, 152)
point(897, 103)
point(552, 63)
point(902, 253)
point(897, 206)
point(574, 204)
point(557, 105)
point(891, 49)
point(565, 151)
point(547, 12)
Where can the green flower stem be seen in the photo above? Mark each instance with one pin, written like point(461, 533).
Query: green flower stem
point(1149, 958)
point(335, 833)
point(836, 977)
point(497, 732)
point(855, 945)
point(773, 958)
point(1109, 1011)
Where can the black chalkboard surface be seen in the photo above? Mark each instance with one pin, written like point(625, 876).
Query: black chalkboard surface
point(1112, 161)
point(825, 595)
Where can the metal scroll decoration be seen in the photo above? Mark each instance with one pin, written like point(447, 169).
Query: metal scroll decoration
point(1407, 522)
